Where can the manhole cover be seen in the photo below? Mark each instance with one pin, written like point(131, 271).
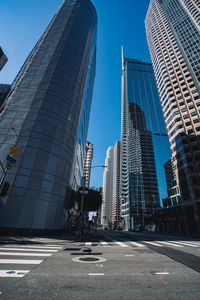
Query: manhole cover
point(89, 259)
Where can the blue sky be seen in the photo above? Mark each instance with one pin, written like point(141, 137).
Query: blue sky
point(120, 22)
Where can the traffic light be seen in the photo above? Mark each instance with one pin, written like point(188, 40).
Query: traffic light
point(5, 188)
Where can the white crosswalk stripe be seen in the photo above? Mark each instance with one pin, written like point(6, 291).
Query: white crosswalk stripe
point(23, 251)
point(24, 254)
point(120, 243)
point(104, 243)
point(88, 244)
point(137, 244)
point(13, 273)
point(27, 249)
point(21, 261)
point(153, 243)
point(170, 244)
point(185, 244)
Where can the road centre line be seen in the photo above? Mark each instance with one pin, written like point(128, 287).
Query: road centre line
point(26, 249)
point(13, 273)
point(20, 261)
point(161, 273)
point(96, 274)
point(24, 254)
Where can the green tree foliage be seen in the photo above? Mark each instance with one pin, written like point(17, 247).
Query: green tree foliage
point(92, 200)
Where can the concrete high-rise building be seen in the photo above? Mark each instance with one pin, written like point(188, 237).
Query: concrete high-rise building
point(173, 35)
point(116, 206)
point(87, 163)
point(3, 59)
point(144, 146)
point(107, 199)
point(49, 109)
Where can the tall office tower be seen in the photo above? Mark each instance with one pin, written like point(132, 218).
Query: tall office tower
point(87, 163)
point(4, 90)
point(172, 185)
point(49, 108)
point(3, 59)
point(173, 35)
point(107, 199)
point(144, 146)
point(116, 210)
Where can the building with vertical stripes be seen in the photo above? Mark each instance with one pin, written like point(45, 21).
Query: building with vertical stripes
point(173, 35)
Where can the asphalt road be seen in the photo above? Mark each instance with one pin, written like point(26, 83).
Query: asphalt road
point(105, 265)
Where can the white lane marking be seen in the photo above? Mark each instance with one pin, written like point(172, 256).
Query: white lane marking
point(13, 273)
point(154, 244)
point(161, 273)
point(136, 244)
point(38, 247)
point(26, 249)
point(24, 254)
point(88, 244)
point(129, 255)
point(104, 243)
point(120, 243)
point(186, 244)
point(170, 244)
point(20, 261)
point(96, 274)
point(193, 243)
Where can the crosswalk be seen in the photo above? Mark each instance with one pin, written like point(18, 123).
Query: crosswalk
point(143, 244)
point(26, 256)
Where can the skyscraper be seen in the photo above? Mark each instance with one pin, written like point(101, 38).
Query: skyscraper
point(173, 35)
point(87, 163)
point(4, 90)
point(144, 146)
point(107, 199)
point(116, 205)
point(49, 108)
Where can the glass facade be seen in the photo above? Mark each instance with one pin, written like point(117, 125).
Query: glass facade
point(49, 108)
point(173, 35)
point(145, 146)
point(4, 90)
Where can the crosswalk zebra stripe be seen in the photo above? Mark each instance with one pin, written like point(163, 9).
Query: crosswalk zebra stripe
point(185, 244)
point(88, 244)
point(193, 243)
point(21, 261)
point(136, 244)
point(170, 244)
point(154, 244)
point(26, 249)
point(24, 254)
point(120, 243)
point(38, 247)
point(13, 273)
point(104, 243)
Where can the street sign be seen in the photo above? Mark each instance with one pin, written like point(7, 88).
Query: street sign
point(84, 192)
point(11, 159)
point(14, 150)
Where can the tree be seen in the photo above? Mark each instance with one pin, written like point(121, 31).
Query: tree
point(92, 200)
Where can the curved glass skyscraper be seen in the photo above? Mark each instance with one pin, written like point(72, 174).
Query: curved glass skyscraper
point(49, 108)
point(144, 146)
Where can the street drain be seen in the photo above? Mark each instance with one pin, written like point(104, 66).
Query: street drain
point(89, 259)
